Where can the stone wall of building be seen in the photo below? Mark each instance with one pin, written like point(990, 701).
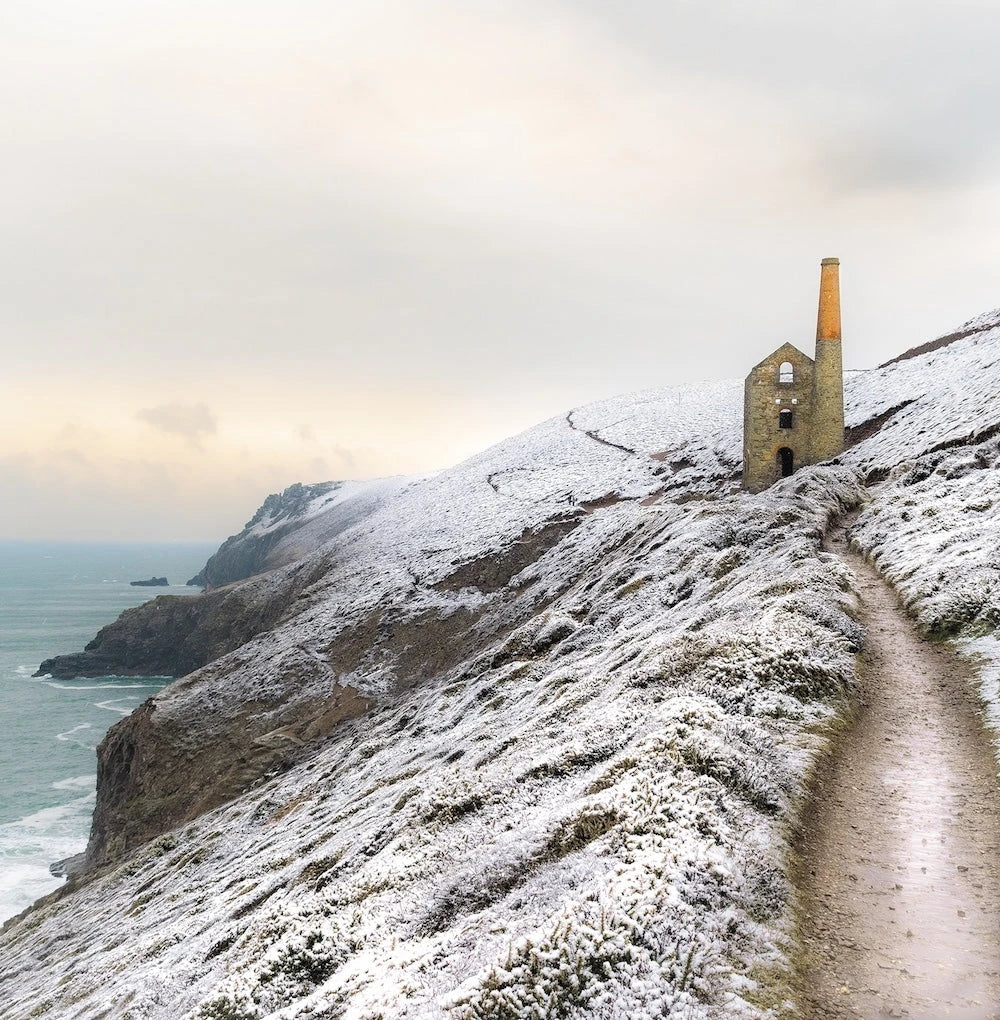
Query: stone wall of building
point(765, 396)
point(815, 398)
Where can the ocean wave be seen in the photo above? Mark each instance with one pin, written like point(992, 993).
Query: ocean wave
point(23, 883)
point(59, 820)
point(97, 687)
point(76, 783)
point(111, 705)
point(68, 734)
point(30, 844)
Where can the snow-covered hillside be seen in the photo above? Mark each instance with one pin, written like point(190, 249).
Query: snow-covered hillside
point(932, 525)
point(290, 524)
point(582, 679)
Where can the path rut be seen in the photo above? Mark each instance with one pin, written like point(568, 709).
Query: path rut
point(899, 857)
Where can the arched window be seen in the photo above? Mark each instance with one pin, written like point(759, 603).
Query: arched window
point(784, 418)
point(786, 461)
point(786, 372)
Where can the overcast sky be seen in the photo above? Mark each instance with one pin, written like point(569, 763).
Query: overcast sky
point(248, 243)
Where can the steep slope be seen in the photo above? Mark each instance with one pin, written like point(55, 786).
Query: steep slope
point(590, 674)
point(417, 587)
point(932, 526)
point(589, 809)
point(292, 523)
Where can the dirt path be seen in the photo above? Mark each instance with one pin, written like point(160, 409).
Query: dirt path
point(899, 874)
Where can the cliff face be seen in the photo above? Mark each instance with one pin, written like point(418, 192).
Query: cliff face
point(423, 581)
point(193, 747)
point(173, 635)
point(290, 524)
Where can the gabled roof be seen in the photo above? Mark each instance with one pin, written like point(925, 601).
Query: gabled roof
point(787, 352)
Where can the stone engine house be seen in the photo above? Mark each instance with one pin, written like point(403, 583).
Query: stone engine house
point(793, 405)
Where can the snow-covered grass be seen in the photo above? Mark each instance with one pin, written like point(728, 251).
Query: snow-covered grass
point(584, 816)
point(985, 652)
point(587, 817)
point(933, 529)
point(946, 398)
point(932, 525)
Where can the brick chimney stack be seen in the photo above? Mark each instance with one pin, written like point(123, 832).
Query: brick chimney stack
point(828, 320)
point(828, 381)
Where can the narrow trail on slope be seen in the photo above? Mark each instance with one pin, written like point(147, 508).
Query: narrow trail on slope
point(899, 858)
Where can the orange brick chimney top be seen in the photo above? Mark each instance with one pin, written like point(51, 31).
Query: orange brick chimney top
point(828, 320)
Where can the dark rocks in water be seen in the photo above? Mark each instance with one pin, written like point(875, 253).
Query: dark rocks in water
point(69, 866)
point(168, 636)
point(153, 582)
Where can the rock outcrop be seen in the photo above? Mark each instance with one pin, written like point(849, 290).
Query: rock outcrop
point(173, 635)
point(290, 524)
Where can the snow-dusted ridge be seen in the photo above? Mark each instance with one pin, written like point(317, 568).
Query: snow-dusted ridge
point(290, 524)
point(588, 724)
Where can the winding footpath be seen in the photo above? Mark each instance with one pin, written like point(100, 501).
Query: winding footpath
point(899, 854)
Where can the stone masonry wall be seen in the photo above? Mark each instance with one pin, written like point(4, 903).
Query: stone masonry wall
point(764, 397)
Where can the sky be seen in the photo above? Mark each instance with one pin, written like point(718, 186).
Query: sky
point(251, 242)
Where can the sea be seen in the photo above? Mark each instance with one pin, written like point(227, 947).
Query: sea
point(54, 597)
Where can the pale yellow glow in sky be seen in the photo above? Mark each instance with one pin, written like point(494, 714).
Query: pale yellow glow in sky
point(248, 244)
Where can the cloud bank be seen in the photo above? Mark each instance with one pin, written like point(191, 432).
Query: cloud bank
point(412, 228)
point(190, 421)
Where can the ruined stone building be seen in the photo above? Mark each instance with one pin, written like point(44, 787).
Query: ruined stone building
point(793, 405)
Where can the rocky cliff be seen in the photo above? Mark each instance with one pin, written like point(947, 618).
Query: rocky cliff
point(292, 523)
point(423, 581)
point(175, 635)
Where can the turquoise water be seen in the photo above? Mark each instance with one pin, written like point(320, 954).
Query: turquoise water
point(54, 597)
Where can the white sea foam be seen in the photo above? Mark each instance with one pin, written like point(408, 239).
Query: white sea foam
point(76, 783)
point(112, 705)
point(99, 687)
point(29, 845)
point(51, 600)
point(69, 736)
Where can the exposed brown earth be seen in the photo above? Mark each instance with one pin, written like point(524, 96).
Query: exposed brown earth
point(152, 778)
point(899, 862)
point(855, 434)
